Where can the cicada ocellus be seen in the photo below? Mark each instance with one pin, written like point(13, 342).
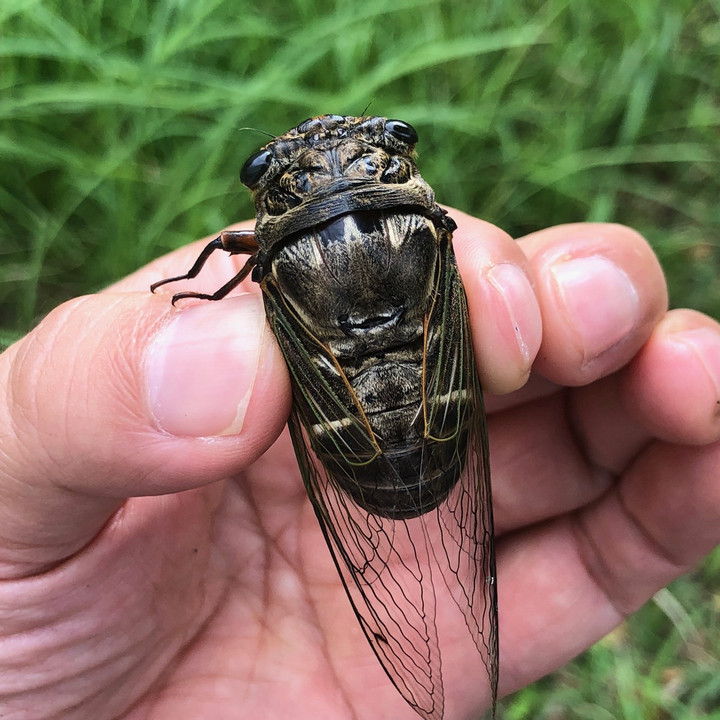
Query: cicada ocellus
point(355, 261)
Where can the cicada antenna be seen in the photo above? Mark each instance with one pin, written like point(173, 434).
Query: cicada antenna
point(365, 109)
point(257, 130)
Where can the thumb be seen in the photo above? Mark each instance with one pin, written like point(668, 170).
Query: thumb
point(115, 395)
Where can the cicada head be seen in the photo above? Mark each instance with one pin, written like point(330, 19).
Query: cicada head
point(329, 166)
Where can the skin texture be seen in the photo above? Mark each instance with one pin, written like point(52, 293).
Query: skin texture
point(158, 556)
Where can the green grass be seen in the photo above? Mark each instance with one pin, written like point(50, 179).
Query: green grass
point(122, 131)
point(662, 664)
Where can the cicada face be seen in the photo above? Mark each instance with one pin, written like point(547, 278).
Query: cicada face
point(361, 289)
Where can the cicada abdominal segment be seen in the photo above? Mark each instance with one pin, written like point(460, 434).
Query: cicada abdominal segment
point(354, 258)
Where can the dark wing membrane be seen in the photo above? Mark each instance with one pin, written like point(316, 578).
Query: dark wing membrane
point(465, 553)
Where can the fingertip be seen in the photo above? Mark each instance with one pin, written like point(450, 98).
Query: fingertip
point(601, 291)
point(504, 312)
point(122, 394)
point(672, 386)
point(207, 364)
point(509, 328)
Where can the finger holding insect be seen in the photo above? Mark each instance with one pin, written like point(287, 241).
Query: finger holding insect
point(601, 291)
point(504, 310)
point(154, 400)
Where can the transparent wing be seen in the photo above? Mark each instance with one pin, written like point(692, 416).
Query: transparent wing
point(387, 572)
point(397, 571)
point(465, 553)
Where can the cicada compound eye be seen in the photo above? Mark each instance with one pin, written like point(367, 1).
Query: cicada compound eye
point(401, 130)
point(255, 167)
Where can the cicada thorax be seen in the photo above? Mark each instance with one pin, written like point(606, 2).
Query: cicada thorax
point(364, 285)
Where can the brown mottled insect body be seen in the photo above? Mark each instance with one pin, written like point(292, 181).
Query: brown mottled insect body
point(355, 261)
point(375, 331)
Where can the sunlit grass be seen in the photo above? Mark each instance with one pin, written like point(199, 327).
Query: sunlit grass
point(122, 129)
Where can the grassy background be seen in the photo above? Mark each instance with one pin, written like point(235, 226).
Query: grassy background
point(121, 134)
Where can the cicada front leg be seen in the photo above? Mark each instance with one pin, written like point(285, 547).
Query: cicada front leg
point(233, 242)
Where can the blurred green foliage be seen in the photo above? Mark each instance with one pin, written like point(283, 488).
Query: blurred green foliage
point(123, 126)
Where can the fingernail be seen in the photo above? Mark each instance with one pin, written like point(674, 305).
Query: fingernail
point(517, 313)
point(202, 366)
point(600, 300)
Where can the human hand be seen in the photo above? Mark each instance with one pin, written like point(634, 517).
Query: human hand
point(159, 558)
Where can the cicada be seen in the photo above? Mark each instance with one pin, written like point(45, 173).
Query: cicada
point(361, 289)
